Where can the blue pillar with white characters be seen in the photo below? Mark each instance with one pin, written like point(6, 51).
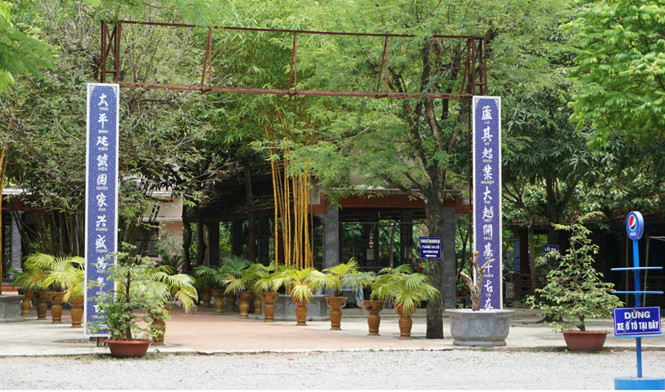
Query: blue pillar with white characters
point(638, 322)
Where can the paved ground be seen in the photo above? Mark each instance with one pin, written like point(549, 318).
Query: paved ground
point(209, 351)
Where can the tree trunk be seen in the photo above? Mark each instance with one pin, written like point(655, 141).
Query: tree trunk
point(251, 241)
point(200, 240)
point(532, 257)
point(186, 238)
point(392, 246)
point(434, 212)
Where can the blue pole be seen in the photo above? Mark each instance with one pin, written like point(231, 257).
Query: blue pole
point(636, 275)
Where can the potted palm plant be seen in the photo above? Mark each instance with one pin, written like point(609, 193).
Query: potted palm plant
point(406, 290)
point(300, 284)
point(267, 285)
point(343, 275)
point(214, 277)
point(69, 273)
point(32, 280)
point(576, 291)
point(242, 285)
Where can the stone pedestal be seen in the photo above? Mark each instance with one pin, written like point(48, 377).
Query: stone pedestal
point(481, 328)
point(285, 309)
point(10, 308)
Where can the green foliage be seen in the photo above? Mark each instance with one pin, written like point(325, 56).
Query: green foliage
point(575, 290)
point(36, 269)
point(138, 300)
point(346, 275)
point(68, 274)
point(300, 283)
point(248, 278)
point(619, 68)
point(20, 51)
point(403, 287)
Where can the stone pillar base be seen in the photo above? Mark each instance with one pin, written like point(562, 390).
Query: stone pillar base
point(10, 308)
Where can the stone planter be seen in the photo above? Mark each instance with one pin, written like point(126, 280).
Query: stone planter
point(482, 328)
point(10, 308)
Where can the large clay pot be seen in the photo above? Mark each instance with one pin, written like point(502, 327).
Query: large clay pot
point(301, 312)
point(257, 304)
point(269, 300)
point(128, 348)
point(230, 301)
point(56, 307)
point(42, 306)
point(373, 307)
point(335, 304)
point(405, 322)
point(158, 324)
point(26, 303)
point(76, 312)
point(243, 298)
point(204, 297)
point(586, 341)
point(219, 300)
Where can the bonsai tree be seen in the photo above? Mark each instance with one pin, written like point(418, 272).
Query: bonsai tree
point(128, 311)
point(475, 281)
point(574, 290)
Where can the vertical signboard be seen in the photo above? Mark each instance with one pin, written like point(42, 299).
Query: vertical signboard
point(101, 218)
point(487, 196)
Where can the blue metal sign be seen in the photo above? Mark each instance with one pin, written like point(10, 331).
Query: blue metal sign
point(430, 248)
point(550, 248)
point(635, 225)
point(631, 322)
point(101, 219)
point(487, 196)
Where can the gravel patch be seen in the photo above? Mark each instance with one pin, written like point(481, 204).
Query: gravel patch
point(459, 369)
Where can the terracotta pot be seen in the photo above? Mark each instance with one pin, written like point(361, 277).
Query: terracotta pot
point(204, 296)
point(42, 306)
point(405, 322)
point(373, 318)
point(335, 304)
point(243, 298)
point(26, 303)
point(230, 301)
point(56, 307)
point(301, 312)
point(587, 341)
point(219, 300)
point(128, 348)
point(257, 304)
point(269, 300)
point(158, 324)
point(76, 312)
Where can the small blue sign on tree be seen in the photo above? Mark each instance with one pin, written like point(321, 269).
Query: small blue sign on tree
point(430, 248)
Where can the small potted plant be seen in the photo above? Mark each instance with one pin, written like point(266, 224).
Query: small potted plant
point(343, 275)
point(576, 291)
point(268, 285)
point(32, 280)
point(128, 312)
point(406, 290)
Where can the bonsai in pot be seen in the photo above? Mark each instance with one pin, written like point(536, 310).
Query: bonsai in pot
point(128, 312)
point(576, 292)
point(476, 326)
point(343, 275)
point(406, 290)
